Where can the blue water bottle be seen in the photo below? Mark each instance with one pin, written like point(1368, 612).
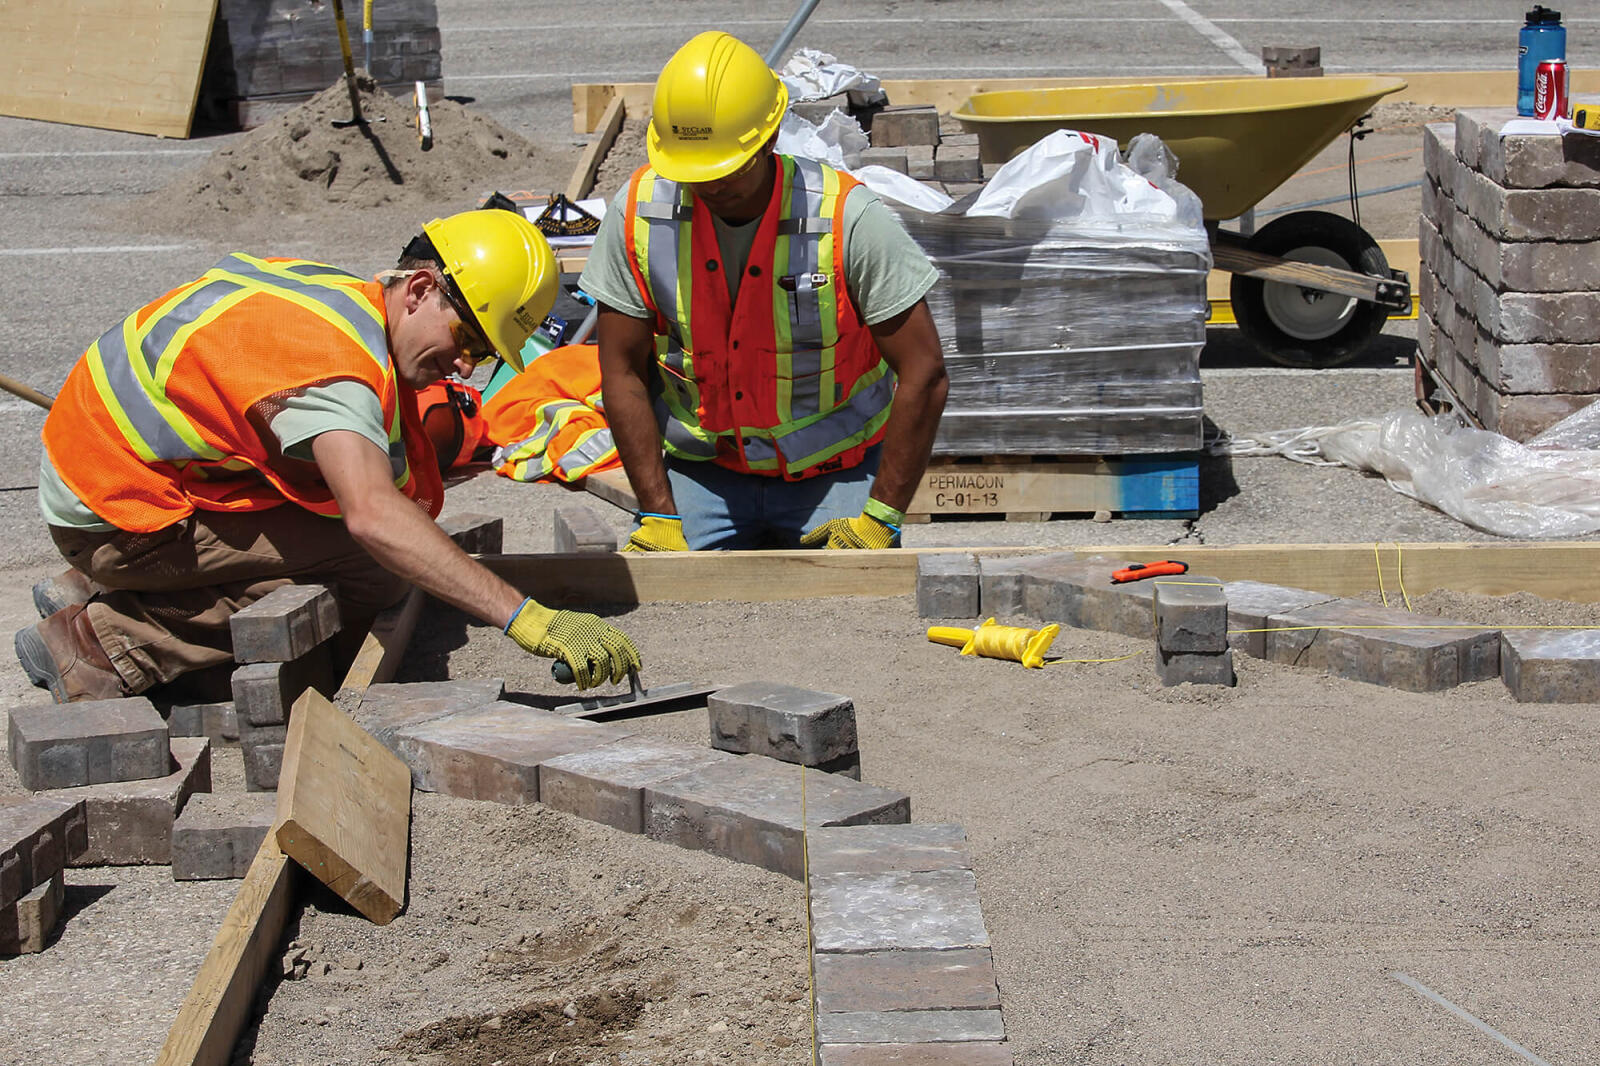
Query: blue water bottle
point(1542, 37)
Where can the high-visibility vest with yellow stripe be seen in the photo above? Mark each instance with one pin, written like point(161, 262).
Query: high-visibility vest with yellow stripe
point(787, 382)
point(549, 421)
point(170, 410)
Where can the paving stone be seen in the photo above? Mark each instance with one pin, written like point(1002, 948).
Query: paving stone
point(475, 534)
point(1413, 656)
point(893, 158)
point(607, 784)
point(1000, 581)
point(1195, 668)
point(579, 529)
point(38, 836)
point(782, 722)
point(130, 822)
point(218, 834)
point(262, 749)
point(1540, 368)
point(218, 722)
point(963, 1054)
point(928, 909)
point(1556, 214)
point(919, 161)
point(66, 745)
point(284, 624)
point(1538, 317)
point(947, 585)
point(1251, 603)
point(264, 692)
point(908, 848)
point(1524, 161)
point(1080, 594)
point(1439, 152)
point(1552, 667)
point(911, 1027)
point(960, 979)
point(1526, 416)
point(749, 810)
point(897, 126)
point(26, 925)
point(494, 753)
point(957, 162)
point(816, 112)
point(386, 708)
point(1191, 616)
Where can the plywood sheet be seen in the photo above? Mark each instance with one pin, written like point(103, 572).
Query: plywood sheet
point(118, 64)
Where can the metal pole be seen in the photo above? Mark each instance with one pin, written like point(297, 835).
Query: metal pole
point(787, 36)
point(587, 326)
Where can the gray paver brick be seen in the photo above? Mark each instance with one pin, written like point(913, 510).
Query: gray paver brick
point(1524, 161)
point(607, 784)
point(38, 836)
point(218, 722)
point(1421, 653)
point(928, 909)
point(66, 745)
point(26, 925)
point(130, 822)
point(895, 127)
point(749, 810)
point(284, 624)
point(958, 979)
point(965, 1054)
point(1195, 668)
point(1552, 667)
point(947, 585)
point(1191, 616)
point(911, 1027)
point(262, 750)
point(908, 848)
point(1000, 582)
point(782, 722)
point(578, 529)
point(894, 158)
point(1251, 603)
point(391, 706)
point(957, 162)
point(475, 534)
point(218, 834)
point(263, 692)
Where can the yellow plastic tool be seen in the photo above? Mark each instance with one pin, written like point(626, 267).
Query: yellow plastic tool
point(1019, 645)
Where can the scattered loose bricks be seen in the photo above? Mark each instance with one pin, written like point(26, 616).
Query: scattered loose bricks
point(783, 722)
point(1251, 603)
point(918, 979)
point(130, 822)
point(494, 753)
point(947, 585)
point(38, 836)
point(928, 909)
point(389, 707)
point(284, 624)
point(264, 692)
point(1191, 617)
point(748, 810)
point(607, 784)
point(909, 848)
point(66, 745)
point(911, 1027)
point(475, 534)
point(26, 925)
point(965, 1054)
point(579, 529)
point(1552, 667)
point(1195, 668)
point(218, 722)
point(217, 835)
point(895, 127)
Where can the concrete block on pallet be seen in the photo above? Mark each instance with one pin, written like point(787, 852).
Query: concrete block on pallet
point(475, 534)
point(579, 529)
point(218, 722)
point(1384, 646)
point(928, 909)
point(816, 112)
point(1524, 161)
point(1190, 616)
point(387, 708)
point(1439, 153)
point(284, 624)
point(903, 980)
point(217, 835)
point(264, 692)
point(919, 162)
point(130, 822)
point(1559, 214)
point(494, 753)
point(749, 810)
point(908, 848)
point(1522, 417)
point(963, 1054)
point(911, 1027)
point(1195, 668)
point(1541, 368)
point(607, 784)
point(65, 745)
point(947, 585)
point(26, 925)
point(783, 722)
point(1559, 667)
point(1251, 603)
point(1000, 582)
point(897, 126)
point(957, 163)
point(893, 158)
point(38, 836)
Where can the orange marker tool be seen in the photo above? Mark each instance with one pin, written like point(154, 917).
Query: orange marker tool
point(1143, 570)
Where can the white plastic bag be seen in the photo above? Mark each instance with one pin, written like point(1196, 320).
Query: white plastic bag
point(838, 141)
point(1068, 176)
point(814, 75)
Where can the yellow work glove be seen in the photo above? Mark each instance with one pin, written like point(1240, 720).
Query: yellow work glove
point(878, 526)
point(596, 650)
point(657, 533)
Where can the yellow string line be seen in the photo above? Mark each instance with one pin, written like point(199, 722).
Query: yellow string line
point(1400, 575)
point(1377, 562)
point(1462, 625)
point(805, 888)
point(1118, 659)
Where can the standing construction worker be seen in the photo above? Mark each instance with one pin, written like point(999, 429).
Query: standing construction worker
point(258, 427)
point(762, 321)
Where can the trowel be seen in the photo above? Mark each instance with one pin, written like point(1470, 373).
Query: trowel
point(637, 701)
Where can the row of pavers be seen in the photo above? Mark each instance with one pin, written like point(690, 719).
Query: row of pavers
point(1345, 637)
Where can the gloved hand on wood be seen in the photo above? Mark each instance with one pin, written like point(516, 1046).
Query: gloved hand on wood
point(878, 526)
point(595, 650)
point(657, 533)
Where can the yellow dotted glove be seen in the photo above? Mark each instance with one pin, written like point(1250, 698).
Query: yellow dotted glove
point(596, 650)
point(657, 533)
point(878, 526)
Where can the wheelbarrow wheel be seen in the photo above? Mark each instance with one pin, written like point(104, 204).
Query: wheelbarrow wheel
point(1301, 327)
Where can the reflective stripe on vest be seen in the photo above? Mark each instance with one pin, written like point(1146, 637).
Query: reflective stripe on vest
point(539, 454)
point(828, 390)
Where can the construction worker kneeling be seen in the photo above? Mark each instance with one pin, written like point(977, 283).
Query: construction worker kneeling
point(258, 426)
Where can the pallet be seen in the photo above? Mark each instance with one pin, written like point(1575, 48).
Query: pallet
point(1032, 488)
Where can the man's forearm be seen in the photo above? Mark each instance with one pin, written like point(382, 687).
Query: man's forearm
point(908, 441)
point(633, 430)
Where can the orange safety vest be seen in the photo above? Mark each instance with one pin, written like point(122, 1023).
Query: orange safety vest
point(169, 411)
point(788, 381)
point(549, 420)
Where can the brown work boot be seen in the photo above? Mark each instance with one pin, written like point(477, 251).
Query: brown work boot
point(63, 654)
point(62, 591)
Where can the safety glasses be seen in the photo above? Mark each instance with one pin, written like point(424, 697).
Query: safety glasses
point(469, 338)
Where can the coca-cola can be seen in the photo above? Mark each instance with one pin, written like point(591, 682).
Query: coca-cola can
point(1550, 90)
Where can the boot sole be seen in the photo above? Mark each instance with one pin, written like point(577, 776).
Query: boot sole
point(37, 662)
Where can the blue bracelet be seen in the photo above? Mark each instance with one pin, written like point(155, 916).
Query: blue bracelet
point(525, 601)
point(652, 514)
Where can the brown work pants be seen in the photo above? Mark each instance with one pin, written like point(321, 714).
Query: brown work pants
point(170, 594)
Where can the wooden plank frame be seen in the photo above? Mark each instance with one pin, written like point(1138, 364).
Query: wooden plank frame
point(589, 163)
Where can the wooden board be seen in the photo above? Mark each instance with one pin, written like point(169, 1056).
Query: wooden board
point(589, 163)
point(117, 64)
point(344, 808)
point(220, 1002)
point(385, 643)
point(613, 487)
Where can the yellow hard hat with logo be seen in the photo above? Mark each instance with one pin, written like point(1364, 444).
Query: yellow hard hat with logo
point(502, 270)
point(716, 103)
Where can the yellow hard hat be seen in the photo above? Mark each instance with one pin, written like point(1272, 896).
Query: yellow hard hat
point(503, 271)
point(717, 102)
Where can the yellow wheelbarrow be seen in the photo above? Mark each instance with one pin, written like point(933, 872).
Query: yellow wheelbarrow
point(1310, 289)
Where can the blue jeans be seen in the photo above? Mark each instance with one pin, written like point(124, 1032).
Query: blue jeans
point(723, 509)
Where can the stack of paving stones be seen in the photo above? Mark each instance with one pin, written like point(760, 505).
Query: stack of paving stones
point(282, 640)
point(1509, 295)
point(902, 962)
point(38, 838)
point(793, 725)
point(1192, 632)
point(908, 139)
point(114, 759)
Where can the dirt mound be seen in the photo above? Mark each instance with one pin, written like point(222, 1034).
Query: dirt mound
point(301, 164)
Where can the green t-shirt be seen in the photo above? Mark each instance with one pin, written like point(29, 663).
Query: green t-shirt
point(884, 269)
point(340, 405)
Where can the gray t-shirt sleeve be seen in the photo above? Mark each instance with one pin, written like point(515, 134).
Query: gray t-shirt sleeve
point(607, 276)
point(339, 405)
point(885, 270)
